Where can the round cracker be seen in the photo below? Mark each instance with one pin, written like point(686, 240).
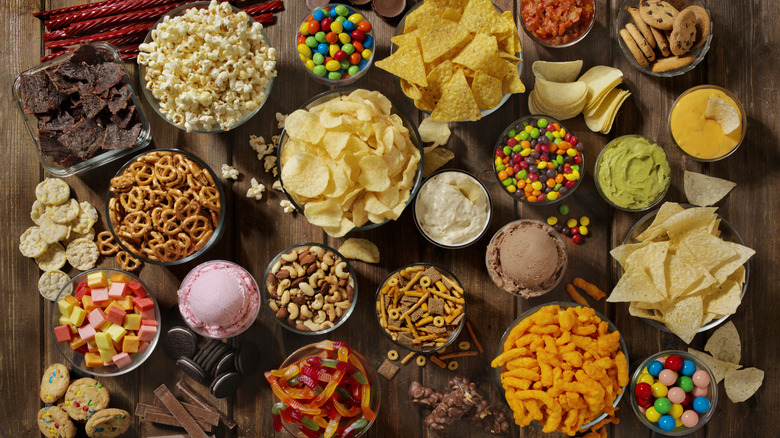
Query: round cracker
point(87, 217)
point(82, 254)
point(53, 258)
point(62, 214)
point(51, 283)
point(38, 212)
point(52, 191)
point(32, 242)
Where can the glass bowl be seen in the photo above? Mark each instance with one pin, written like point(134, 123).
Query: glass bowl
point(559, 273)
point(556, 46)
point(455, 331)
point(400, 30)
point(221, 332)
point(75, 358)
point(155, 103)
point(31, 122)
point(376, 390)
point(218, 229)
point(475, 237)
point(727, 233)
point(364, 64)
point(601, 191)
point(501, 145)
point(275, 266)
point(742, 118)
point(414, 136)
point(563, 305)
point(624, 17)
point(712, 395)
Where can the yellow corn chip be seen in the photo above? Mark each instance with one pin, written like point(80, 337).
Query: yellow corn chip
point(406, 63)
point(457, 103)
point(486, 90)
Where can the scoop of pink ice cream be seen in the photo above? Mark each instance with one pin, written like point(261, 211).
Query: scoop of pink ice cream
point(218, 299)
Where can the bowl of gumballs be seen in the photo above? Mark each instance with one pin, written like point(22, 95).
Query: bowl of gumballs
point(335, 44)
point(673, 393)
point(538, 161)
point(105, 322)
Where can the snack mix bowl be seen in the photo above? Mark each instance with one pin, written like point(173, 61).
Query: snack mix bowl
point(327, 96)
point(310, 289)
point(446, 222)
point(335, 45)
point(63, 166)
point(411, 284)
point(714, 89)
point(189, 196)
point(622, 168)
point(193, 125)
point(525, 146)
point(137, 333)
point(531, 23)
point(696, 53)
point(673, 393)
point(728, 233)
point(563, 306)
point(357, 425)
point(399, 30)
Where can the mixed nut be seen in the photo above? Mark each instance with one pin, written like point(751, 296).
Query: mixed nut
point(310, 288)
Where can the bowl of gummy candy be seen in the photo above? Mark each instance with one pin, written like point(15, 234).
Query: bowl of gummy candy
point(335, 44)
point(538, 161)
point(673, 393)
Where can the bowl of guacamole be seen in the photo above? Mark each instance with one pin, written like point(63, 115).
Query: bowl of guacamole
point(632, 173)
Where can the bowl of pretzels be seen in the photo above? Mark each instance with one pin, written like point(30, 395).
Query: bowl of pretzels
point(165, 207)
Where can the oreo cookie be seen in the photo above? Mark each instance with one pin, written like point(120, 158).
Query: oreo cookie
point(225, 364)
point(191, 369)
point(210, 361)
point(206, 350)
point(226, 384)
point(248, 357)
point(180, 342)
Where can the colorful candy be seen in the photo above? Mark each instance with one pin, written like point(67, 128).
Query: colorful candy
point(335, 42)
point(672, 393)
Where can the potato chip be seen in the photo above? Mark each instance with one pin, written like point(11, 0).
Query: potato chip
point(304, 126)
point(557, 71)
point(602, 119)
point(406, 63)
point(435, 157)
point(722, 112)
point(486, 90)
point(360, 249)
point(742, 384)
point(305, 175)
point(600, 79)
point(705, 190)
point(457, 102)
point(434, 132)
point(724, 344)
point(719, 368)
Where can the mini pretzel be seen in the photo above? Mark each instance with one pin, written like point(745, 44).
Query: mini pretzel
point(137, 224)
point(169, 251)
point(127, 262)
point(196, 226)
point(209, 198)
point(168, 223)
point(106, 243)
point(122, 183)
point(142, 173)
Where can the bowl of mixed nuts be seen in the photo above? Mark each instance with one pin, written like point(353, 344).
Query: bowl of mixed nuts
point(310, 288)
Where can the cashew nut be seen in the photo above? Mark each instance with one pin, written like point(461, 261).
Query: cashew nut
point(317, 250)
point(293, 272)
point(330, 310)
point(272, 304)
point(293, 309)
point(285, 297)
point(306, 289)
point(319, 301)
point(276, 266)
point(312, 325)
point(327, 324)
point(315, 278)
point(299, 269)
point(320, 317)
point(282, 286)
point(327, 259)
point(305, 312)
point(290, 256)
point(339, 312)
point(333, 297)
point(340, 270)
point(343, 305)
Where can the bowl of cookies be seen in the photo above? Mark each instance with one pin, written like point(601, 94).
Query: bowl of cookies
point(664, 38)
point(165, 207)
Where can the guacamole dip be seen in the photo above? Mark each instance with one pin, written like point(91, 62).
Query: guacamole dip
point(633, 172)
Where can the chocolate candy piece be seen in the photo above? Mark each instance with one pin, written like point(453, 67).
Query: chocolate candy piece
point(180, 342)
point(198, 413)
point(248, 358)
point(191, 369)
point(179, 413)
point(226, 384)
point(186, 392)
point(389, 8)
point(227, 363)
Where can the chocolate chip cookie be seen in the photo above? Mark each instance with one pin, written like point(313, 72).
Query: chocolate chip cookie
point(108, 423)
point(53, 422)
point(658, 14)
point(54, 383)
point(85, 397)
point(683, 33)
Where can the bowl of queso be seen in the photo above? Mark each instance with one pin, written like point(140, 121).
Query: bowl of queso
point(557, 23)
point(707, 135)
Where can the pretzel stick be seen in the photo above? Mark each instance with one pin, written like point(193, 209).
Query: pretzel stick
point(458, 354)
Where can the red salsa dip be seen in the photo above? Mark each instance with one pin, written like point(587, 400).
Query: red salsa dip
point(557, 22)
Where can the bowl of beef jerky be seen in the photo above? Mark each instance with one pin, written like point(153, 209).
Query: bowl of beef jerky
point(81, 110)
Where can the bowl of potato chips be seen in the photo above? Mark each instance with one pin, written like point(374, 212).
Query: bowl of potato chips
point(458, 63)
point(550, 343)
point(683, 269)
point(350, 160)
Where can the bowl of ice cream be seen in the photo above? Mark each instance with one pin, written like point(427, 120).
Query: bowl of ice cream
point(632, 173)
point(219, 299)
point(453, 209)
point(310, 288)
point(526, 258)
point(707, 123)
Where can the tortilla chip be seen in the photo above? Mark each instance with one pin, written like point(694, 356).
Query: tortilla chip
point(705, 190)
point(457, 103)
point(684, 317)
point(741, 385)
point(719, 368)
point(442, 38)
point(635, 285)
point(724, 344)
point(406, 63)
point(487, 90)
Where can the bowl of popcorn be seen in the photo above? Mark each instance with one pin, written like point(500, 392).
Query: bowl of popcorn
point(165, 207)
point(202, 86)
point(105, 322)
point(336, 166)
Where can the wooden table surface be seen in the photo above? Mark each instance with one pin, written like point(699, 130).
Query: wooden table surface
point(743, 59)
